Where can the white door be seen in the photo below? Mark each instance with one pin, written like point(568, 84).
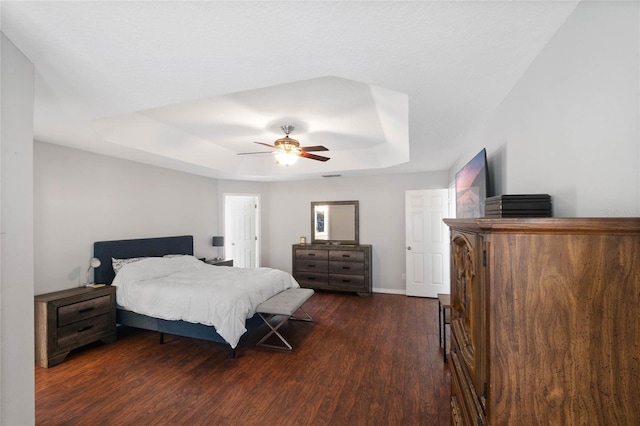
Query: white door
point(241, 230)
point(427, 242)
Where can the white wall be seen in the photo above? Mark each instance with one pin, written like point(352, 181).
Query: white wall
point(82, 197)
point(382, 221)
point(16, 248)
point(570, 127)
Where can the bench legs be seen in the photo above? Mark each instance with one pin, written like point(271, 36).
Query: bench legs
point(274, 330)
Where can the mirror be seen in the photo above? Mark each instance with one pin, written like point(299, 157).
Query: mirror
point(334, 222)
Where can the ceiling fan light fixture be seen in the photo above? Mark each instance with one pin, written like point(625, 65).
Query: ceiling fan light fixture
point(286, 158)
point(288, 150)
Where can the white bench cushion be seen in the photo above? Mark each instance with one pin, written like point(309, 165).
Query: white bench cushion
point(286, 302)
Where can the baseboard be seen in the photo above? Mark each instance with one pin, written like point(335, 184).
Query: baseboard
point(389, 291)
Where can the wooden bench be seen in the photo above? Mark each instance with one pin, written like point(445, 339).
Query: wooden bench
point(283, 304)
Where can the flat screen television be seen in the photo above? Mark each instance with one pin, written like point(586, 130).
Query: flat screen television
point(472, 183)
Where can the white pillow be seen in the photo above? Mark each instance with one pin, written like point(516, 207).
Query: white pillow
point(119, 263)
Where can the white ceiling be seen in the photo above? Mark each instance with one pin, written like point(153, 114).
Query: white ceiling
point(188, 85)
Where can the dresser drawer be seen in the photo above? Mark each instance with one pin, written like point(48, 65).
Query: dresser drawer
point(348, 268)
point(348, 256)
point(84, 329)
point(308, 265)
point(87, 309)
point(312, 279)
point(312, 254)
point(352, 282)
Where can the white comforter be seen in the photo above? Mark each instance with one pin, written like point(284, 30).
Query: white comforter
point(184, 288)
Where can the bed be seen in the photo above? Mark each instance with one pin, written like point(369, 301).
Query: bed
point(156, 248)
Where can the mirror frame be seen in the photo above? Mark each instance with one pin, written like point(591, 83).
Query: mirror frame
point(356, 222)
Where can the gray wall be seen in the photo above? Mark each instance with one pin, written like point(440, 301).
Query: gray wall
point(570, 127)
point(83, 197)
point(381, 200)
point(16, 248)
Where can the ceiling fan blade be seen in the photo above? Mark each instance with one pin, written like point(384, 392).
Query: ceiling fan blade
point(258, 152)
point(313, 148)
point(313, 156)
point(265, 144)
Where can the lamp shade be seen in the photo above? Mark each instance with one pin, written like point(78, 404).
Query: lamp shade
point(218, 241)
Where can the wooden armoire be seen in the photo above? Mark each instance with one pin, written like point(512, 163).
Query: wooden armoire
point(545, 321)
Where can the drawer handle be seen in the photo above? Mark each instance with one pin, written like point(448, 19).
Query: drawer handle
point(346, 267)
point(81, 329)
point(346, 281)
point(311, 254)
point(311, 278)
point(311, 266)
point(346, 255)
point(85, 310)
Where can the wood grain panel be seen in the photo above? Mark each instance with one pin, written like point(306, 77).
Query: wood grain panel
point(558, 339)
point(561, 323)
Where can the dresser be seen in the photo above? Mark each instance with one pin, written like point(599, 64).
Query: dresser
point(545, 321)
point(333, 267)
point(68, 319)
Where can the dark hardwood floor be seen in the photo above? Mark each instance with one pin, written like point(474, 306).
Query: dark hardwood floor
point(364, 361)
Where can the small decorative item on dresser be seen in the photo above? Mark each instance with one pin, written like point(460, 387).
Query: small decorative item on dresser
point(303, 240)
point(518, 205)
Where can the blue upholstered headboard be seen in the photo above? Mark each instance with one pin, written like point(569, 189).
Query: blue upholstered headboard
point(144, 247)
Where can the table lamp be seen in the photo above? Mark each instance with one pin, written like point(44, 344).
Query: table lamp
point(219, 242)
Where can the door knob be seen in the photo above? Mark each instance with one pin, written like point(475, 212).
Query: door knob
point(409, 248)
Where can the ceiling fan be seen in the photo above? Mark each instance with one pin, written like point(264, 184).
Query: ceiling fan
point(287, 150)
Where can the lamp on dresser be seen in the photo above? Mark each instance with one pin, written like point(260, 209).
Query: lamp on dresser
point(218, 242)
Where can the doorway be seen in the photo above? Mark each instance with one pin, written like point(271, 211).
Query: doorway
point(427, 242)
point(241, 229)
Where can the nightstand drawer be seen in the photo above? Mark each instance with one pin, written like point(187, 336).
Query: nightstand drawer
point(81, 330)
point(87, 309)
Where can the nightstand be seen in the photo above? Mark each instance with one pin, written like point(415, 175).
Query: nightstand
point(219, 262)
point(68, 319)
